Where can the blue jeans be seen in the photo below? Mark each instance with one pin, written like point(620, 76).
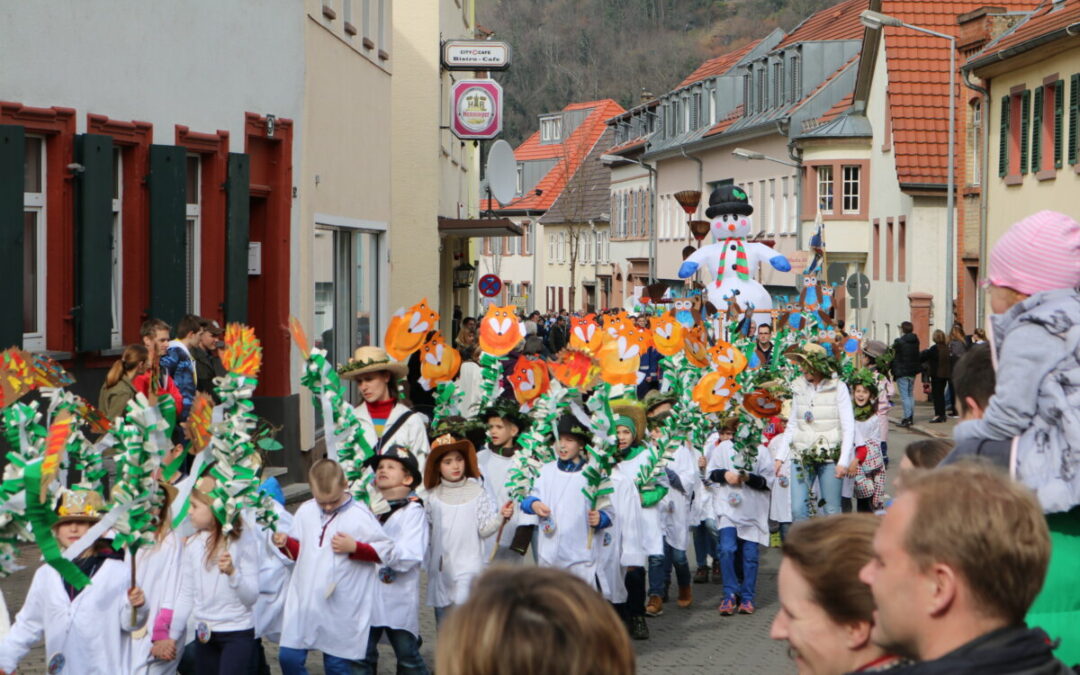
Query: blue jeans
point(660, 570)
point(802, 478)
point(729, 544)
point(906, 385)
point(293, 662)
point(704, 544)
point(406, 650)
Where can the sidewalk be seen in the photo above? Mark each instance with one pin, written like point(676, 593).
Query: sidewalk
point(924, 412)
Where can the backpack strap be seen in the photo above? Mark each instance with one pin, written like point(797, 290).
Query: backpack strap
point(389, 433)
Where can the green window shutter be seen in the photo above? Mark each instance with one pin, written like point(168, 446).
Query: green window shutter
point(1003, 139)
point(1025, 119)
point(1037, 130)
point(168, 225)
point(12, 156)
point(1074, 115)
point(237, 224)
point(93, 242)
point(1059, 119)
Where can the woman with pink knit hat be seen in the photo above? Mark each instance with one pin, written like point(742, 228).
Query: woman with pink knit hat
point(1034, 286)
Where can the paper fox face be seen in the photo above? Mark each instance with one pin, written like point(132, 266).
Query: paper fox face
point(438, 362)
point(530, 380)
point(408, 328)
point(620, 359)
point(500, 330)
point(714, 391)
point(616, 325)
point(575, 368)
point(726, 359)
point(667, 334)
point(585, 333)
point(695, 346)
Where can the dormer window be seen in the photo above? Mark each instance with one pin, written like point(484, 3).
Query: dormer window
point(551, 129)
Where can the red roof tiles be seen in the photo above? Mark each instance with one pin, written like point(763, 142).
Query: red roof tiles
point(570, 153)
point(918, 84)
point(1047, 18)
point(731, 118)
point(717, 65)
point(839, 22)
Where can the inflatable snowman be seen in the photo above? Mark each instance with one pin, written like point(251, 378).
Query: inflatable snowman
point(732, 259)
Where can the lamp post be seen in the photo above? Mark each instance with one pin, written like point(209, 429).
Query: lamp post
point(612, 159)
point(875, 21)
point(744, 154)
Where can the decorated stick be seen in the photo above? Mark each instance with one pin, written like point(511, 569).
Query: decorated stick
point(601, 422)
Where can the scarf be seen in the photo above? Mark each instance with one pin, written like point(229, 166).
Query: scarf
point(864, 412)
point(742, 268)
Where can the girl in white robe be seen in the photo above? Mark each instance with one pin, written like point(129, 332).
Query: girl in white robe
point(157, 570)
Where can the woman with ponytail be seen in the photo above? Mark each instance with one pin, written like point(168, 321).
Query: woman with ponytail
point(118, 388)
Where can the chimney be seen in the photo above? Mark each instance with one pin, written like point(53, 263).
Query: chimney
point(646, 95)
point(982, 25)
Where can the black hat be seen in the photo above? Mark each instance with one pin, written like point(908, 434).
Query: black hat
point(730, 199)
point(402, 455)
point(569, 425)
point(508, 411)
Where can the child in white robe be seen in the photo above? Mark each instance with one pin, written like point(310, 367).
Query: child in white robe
point(86, 630)
point(504, 424)
point(157, 569)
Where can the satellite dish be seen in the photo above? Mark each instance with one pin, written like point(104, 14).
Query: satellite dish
point(501, 172)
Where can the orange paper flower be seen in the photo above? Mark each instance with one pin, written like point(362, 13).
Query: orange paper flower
point(243, 353)
point(198, 422)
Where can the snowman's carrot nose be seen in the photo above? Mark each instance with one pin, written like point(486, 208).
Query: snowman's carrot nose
point(731, 227)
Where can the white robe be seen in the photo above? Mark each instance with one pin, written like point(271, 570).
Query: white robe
point(494, 468)
point(780, 496)
point(275, 569)
point(701, 505)
point(397, 602)
point(619, 547)
point(157, 569)
point(92, 631)
point(567, 547)
point(456, 549)
point(675, 506)
point(223, 602)
point(330, 597)
point(751, 517)
point(5, 618)
point(650, 536)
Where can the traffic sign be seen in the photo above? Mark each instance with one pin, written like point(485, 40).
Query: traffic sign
point(858, 287)
point(489, 285)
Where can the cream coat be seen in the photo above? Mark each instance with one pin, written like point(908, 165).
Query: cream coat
point(275, 569)
point(832, 423)
point(92, 631)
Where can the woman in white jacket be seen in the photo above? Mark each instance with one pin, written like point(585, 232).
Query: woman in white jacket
point(219, 585)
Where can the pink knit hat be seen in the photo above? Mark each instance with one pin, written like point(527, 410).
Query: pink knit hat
point(1039, 253)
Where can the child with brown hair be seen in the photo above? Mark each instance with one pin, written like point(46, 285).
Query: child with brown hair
point(88, 629)
point(119, 387)
point(337, 543)
point(462, 515)
point(219, 584)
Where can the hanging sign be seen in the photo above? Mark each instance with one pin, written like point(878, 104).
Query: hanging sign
point(476, 109)
point(476, 55)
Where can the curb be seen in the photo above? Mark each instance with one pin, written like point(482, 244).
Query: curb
point(922, 429)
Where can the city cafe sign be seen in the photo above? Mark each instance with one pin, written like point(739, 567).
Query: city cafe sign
point(476, 55)
point(476, 109)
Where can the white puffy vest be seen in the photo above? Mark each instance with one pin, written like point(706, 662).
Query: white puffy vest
point(823, 431)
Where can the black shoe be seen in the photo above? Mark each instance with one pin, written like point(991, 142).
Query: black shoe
point(937, 420)
point(639, 630)
point(953, 413)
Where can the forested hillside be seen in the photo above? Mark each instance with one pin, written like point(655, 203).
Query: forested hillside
point(580, 50)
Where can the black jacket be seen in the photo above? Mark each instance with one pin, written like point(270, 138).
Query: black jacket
point(939, 362)
point(1016, 650)
point(906, 362)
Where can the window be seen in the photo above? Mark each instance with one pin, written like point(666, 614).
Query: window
point(520, 186)
point(1014, 148)
point(366, 28)
point(901, 246)
point(550, 129)
point(875, 247)
point(785, 205)
point(824, 188)
point(761, 103)
point(890, 247)
point(850, 189)
point(34, 225)
point(599, 242)
point(1048, 118)
point(795, 83)
point(772, 206)
point(116, 254)
point(763, 206)
point(192, 235)
point(746, 95)
point(384, 20)
point(553, 250)
point(624, 213)
point(527, 234)
point(695, 110)
point(1074, 116)
point(512, 245)
point(975, 143)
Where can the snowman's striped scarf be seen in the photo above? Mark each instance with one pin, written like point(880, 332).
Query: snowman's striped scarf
point(742, 268)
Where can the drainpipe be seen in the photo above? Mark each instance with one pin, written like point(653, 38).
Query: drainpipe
point(980, 298)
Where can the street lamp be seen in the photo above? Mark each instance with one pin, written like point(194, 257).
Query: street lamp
point(875, 21)
point(612, 159)
point(744, 154)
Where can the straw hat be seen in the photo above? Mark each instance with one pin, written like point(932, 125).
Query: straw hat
point(371, 359)
point(79, 506)
point(636, 412)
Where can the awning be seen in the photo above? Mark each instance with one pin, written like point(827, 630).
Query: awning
point(478, 227)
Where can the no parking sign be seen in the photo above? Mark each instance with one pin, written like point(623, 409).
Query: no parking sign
point(489, 285)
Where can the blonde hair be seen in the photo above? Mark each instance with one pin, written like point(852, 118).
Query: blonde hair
point(218, 538)
point(129, 362)
point(533, 621)
point(828, 553)
point(987, 527)
point(327, 475)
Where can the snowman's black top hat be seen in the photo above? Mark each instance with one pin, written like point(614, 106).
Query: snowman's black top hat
point(728, 199)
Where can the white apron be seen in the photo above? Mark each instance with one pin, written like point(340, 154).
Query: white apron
point(456, 551)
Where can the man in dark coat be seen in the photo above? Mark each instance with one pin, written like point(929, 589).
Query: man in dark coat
point(905, 366)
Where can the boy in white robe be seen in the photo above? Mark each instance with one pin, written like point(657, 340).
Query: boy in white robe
point(87, 630)
point(504, 424)
point(397, 595)
point(337, 544)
